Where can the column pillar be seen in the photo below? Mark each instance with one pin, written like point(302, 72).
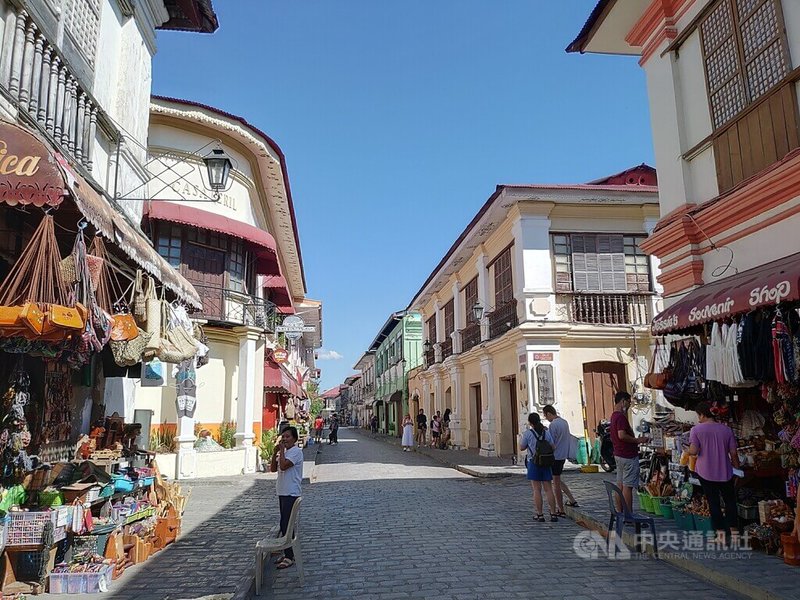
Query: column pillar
point(489, 408)
point(483, 293)
point(533, 271)
point(459, 317)
point(249, 338)
point(459, 408)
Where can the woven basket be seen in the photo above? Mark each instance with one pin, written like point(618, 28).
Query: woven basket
point(95, 264)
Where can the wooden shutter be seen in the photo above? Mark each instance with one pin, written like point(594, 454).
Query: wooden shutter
point(470, 298)
point(431, 327)
point(598, 263)
point(449, 320)
point(503, 282)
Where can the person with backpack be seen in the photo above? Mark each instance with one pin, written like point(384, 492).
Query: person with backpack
point(540, 458)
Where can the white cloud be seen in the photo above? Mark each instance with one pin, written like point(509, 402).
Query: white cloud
point(329, 355)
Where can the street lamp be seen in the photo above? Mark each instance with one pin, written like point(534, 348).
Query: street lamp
point(477, 311)
point(428, 345)
point(219, 166)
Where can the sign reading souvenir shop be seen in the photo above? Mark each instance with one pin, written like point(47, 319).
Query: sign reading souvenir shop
point(294, 327)
point(29, 173)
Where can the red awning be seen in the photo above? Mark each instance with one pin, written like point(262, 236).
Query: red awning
point(278, 379)
point(279, 292)
point(766, 285)
point(261, 242)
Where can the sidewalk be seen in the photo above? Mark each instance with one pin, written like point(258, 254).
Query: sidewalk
point(755, 575)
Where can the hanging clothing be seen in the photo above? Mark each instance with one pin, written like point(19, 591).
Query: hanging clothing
point(764, 354)
point(733, 370)
point(748, 338)
point(780, 338)
point(715, 354)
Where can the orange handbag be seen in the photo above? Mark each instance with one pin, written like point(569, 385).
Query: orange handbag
point(32, 318)
point(10, 325)
point(64, 317)
point(124, 328)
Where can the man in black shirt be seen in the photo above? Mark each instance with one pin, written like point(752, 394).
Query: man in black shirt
point(422, 427)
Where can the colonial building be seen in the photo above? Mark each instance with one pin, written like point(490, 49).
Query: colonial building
point(722, 81)
point(545, 298)
point(366, 366)
point(398, 350)
point(75, 96)
point(240, 250)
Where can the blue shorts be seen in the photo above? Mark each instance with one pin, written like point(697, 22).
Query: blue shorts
point(536, 473)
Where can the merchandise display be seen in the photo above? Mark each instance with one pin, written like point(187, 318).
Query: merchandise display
point(748, 368)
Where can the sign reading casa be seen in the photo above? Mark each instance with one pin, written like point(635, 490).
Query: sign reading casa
point(28, 171)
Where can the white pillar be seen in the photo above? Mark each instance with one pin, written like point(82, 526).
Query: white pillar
point(438, 393)
point(459, 407)
point(246, 401)
point(459, 317)
point(533, 267)
point(488, 417)
point(483, 293)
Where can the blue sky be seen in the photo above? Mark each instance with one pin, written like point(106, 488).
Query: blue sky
point(398, 119)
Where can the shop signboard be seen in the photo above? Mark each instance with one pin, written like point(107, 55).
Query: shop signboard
point(29, 173)
point(294, 327)
point(544, 381)
point(280, 355)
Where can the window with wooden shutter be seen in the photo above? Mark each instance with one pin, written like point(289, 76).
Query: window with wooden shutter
point(562, 257)
point(470, 298)
point(430, 326)
point(503, 280)
point(745, 54)
point(598, 263)
point(449, 320)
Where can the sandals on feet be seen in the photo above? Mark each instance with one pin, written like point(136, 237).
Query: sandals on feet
point(553, 518)
point(538, 518)
point(285, 563)
point(561, 513)
point(571, 504)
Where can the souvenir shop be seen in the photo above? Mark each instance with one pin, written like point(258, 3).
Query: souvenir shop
point(736, 344)
point(80, 501)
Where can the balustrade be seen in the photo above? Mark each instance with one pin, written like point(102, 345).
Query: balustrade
point(470, 336)
point(608, 309)
point(39, 82)
point(502, 319)
point(447, 348)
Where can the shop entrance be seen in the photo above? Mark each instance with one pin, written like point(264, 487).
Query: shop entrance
point(601, 381)
point(475, 411)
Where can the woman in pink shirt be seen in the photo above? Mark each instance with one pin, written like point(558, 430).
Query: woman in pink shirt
point(715, 447)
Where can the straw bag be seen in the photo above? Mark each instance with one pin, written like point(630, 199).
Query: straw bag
point(152, 324)
point(70, 274)
point(138, 298)
point(177, 344)
point(127, 353)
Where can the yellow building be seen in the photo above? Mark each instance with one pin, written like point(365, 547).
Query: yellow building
point(545, 298)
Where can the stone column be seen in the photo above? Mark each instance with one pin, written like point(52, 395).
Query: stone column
point(457, 433)
point(488, 417)
point(249, 338)
point(438, 391)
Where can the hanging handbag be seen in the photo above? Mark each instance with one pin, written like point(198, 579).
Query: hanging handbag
point(124, 327)
point(153, 321)
point(127, 353)
point(138, 299)
point(176, 343)
point(203, 357)
point(673, 390)
point(653, 380)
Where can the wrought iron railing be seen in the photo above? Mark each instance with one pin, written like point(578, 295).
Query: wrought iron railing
point(470, 336)
point(221, 305)
point(447, 347)
point(608, 309)
point(502, 319)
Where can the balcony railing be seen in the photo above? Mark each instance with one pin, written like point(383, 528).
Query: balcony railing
point(470, 336)
point(503, 318)
point(39, 82)
point(447, 347)
point(227, 306)
point(608, 309)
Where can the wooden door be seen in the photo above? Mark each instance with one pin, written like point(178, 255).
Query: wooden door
point(602, 380)
point(478, 412)
point(513, 430)
point(205, 268)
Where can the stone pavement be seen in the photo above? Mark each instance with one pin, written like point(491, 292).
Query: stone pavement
point(384, 524)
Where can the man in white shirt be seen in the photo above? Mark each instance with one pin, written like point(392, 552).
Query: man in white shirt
point(287, 461)
point(559, 429)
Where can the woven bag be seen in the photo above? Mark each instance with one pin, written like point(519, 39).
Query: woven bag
point(127, 353)
point(70, 275)
point(176, 344)
point(138, 298)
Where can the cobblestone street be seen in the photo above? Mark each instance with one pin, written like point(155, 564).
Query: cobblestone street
point(382, 524)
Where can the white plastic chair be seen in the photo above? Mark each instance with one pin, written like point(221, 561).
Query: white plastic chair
point(275, 544)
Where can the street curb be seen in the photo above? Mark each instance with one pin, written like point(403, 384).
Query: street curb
point(740, 587)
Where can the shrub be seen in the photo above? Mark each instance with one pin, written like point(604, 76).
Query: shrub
point(269, 438)
point(227, 434)
point(162, 438)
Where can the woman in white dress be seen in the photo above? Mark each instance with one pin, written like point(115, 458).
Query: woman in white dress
point(408, 433)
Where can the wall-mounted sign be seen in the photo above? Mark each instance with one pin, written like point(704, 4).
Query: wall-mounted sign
point(544, 384)
point(28, 170)
point(543, 356)
point(294, 327)
point(280, 355)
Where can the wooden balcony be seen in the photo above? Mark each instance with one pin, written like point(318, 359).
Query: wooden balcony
point(447, 347)
point(230, 307)
point(607, 309)
point(470, 336)
point(430, 357)
point(502, 319)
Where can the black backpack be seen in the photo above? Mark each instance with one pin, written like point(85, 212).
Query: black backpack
point(544, 455)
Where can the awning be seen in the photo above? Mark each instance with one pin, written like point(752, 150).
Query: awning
point(261, 242)
point(766, 285)
point(280, 294)
point(115, 228)
point(278, 379)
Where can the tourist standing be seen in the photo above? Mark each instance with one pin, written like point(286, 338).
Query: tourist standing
point(626, 447)
point(562, 440)
point(422, 427)
point(287, 461)
point(539, 459)
point(714, 445)
point(445, 429)
point(319, 425)
point(436, 430)
point(333, 436)
point(408, 433)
